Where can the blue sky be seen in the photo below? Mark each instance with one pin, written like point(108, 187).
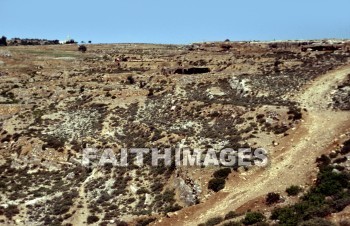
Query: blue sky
point(180, 21)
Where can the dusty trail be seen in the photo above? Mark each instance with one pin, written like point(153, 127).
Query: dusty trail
point(81, 214)
point(292, 162)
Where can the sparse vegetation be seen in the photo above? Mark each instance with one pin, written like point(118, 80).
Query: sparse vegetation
point(56, 102)
point(313, 203)
point(10, 211)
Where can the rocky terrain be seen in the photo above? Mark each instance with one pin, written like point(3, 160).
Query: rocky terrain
point(290, 98)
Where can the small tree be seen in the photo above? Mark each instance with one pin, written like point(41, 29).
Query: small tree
point(3, 41)
point(272, 198)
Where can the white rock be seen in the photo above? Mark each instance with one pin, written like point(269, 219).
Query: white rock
point(133, 189)
point(335, 171)
point(71, 175)
point(148, 199)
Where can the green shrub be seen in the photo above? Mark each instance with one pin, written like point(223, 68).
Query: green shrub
point(253, 218)
point(230, 215)
point(168, 196)
point(173, 208)
point(262, 224)
point(214, 221)
point(346, 148)
point(216, 184)
point(272, 198)
point(142, 191)
point(92, 219)
point(313, 197)
point(293, 190)
point(222, 173)
point(323, 160)
point(340, 204)
point(331, 183)
point(314, 204)
point(157, 187)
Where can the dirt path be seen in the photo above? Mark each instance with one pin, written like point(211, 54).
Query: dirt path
point(82, 213)
point(292, 162)
point(316, 96)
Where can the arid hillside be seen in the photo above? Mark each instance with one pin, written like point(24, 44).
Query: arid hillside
point(289, 98)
